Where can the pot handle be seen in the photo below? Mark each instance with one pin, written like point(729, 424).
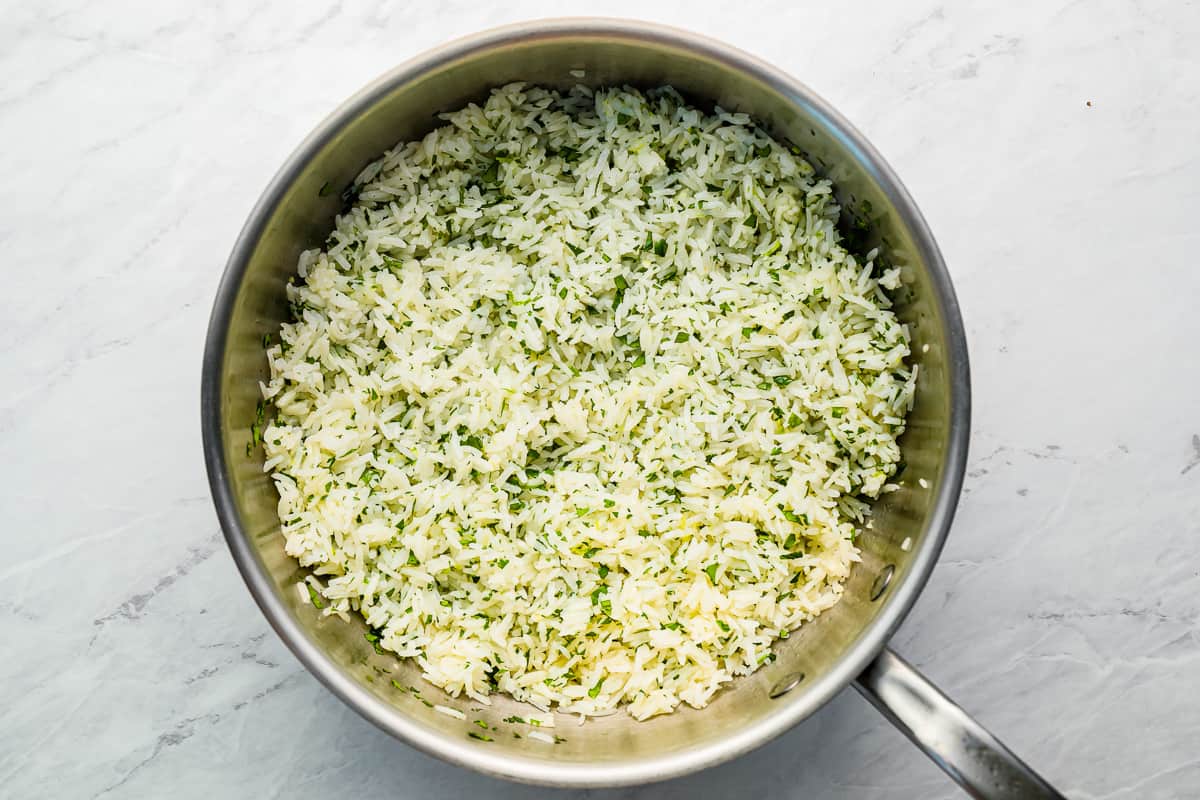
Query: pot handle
point(974, 758)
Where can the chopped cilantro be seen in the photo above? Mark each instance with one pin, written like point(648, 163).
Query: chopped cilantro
point(373, 638)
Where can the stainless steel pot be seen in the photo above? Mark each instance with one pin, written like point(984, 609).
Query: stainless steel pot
point(844, 645)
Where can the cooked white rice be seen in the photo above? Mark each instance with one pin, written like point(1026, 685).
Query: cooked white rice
point(584, 399)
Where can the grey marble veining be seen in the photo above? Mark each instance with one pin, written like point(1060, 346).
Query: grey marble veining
point(1052, 147)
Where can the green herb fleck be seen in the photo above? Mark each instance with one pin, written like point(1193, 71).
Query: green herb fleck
point(595, 690)
point(792, 516)
point(373, 638)
point(711, 571)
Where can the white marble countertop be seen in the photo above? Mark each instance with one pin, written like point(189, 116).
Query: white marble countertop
point(1052, 148)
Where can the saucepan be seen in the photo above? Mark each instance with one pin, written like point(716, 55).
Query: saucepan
point(845, 646)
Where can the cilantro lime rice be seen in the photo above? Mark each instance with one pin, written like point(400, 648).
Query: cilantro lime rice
point(584, 399)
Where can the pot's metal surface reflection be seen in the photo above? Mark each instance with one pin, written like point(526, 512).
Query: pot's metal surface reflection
point(295, 214)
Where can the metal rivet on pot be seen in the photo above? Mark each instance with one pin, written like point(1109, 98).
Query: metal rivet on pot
point(882, 581)
point(786, 684)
